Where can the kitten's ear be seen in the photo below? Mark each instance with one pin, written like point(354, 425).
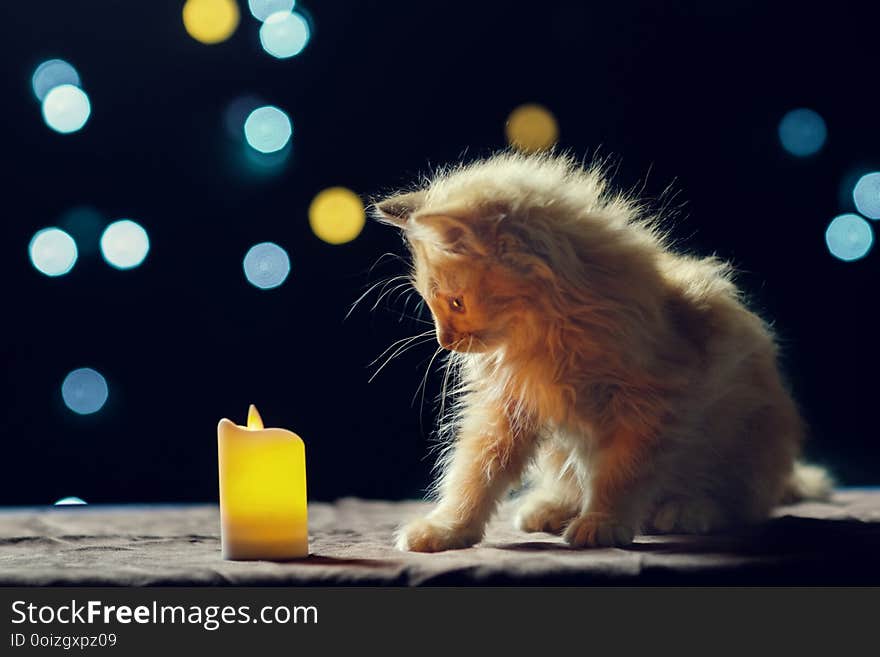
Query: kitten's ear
point(450, 233)
point(396, 210)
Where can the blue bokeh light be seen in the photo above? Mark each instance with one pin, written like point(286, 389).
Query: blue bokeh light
point(70, 501)
point(52, 251)
point(124, 244)
point(66, 108)
point(267, 129)
point(53, 73)
point(284, 34)
point(266, 265)
point(262, 9)
point(802, 132)
point(84, 391)
point(866, 195)
point(849, 237)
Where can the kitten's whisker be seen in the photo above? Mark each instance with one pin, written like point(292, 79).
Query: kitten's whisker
point(399, 294)
point(403, 349)
point(406, 301)
point(387, 254)
point(371, 288)
point(425, 382)
point(418, 319)
point(363, 296)
point(443, 390)
point(402, 313)
point(408, 295)
point(427, 335)
point(387, 292)
point(415, 318)
point(400, 350)
point(397, 342)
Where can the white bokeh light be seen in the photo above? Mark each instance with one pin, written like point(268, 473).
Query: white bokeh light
point(84, 391)
point(52, 251)
point(262, 9)
point(53, 73)
point(266, 265)
point(267, 129)
point(66, 108)
point(124, 244)
point(802, 132)
point(70, 501)
point(849, 237)
point(284, 34)
point(866, 195)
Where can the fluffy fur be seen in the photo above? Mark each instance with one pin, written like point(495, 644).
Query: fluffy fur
point(629, 382)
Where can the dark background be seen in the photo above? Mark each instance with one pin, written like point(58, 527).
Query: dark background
point(687, 94)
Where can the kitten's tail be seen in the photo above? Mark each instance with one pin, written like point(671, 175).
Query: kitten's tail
point(807, 482)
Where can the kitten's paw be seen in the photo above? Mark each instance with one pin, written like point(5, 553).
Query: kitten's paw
point(543, 515)
point(430, 535)
point(598, 530)
point(697, 516)
point(666, 517)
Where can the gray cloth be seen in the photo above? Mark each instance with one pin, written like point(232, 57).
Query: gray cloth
point(351, 544)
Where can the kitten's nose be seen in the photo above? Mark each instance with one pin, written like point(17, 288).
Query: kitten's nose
point(445, 337)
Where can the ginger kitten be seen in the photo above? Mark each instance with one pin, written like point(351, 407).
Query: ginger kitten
point(630, 382)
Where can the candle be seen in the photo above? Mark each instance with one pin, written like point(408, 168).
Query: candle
point(263, 512)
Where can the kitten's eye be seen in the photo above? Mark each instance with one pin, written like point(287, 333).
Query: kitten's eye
point(457, 304)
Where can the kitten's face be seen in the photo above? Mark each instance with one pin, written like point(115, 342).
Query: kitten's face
point(476, 303)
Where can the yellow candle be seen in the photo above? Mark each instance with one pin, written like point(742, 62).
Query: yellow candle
point(263, 512)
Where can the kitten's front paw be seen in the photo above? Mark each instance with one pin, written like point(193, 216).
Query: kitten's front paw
point(430, 535)
point(694, 516)
point(542, 515)
point(598, 530)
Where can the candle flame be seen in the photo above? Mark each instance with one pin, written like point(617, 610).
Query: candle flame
point(254, 420)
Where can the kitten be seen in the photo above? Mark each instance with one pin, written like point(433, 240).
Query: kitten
point(630, 381)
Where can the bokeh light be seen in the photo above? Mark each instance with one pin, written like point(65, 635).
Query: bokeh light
point(337, 215)
point(84, 391)
point(284, 34)
point(531, 128)
point(262, 9)
point(70, 501)
point(53, 252)
point(802, 132)
point(849, 237)
point(254, 162)
point(267, 129)
point(53, 73)
point(866, 195)
point(266, 265)
point(210, 21)
point(124, 244)
point(847, 184)
point(66, 108)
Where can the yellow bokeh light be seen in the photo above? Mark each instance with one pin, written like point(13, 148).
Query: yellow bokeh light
point(210, 21)
point(336, 215)
point(532, 128)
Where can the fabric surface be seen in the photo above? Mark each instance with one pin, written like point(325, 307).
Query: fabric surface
point(351, 544)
